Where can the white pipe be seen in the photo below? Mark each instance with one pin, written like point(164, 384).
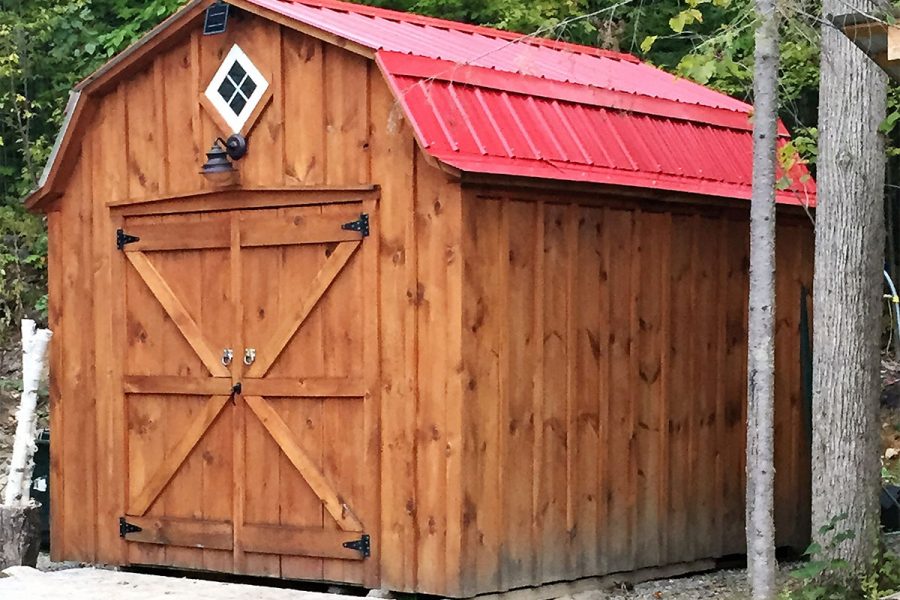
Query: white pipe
point(34, 354)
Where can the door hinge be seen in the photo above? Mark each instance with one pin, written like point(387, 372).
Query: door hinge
point(362, 545)
point(125, 527)
point(123, 238)
point(361, 225)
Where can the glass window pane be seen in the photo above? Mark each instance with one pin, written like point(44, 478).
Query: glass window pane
point(237, 104)
point(248, 87)
point(237, 72)
point(227, 89)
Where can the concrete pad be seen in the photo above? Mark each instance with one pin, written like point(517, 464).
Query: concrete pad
point(23, 583)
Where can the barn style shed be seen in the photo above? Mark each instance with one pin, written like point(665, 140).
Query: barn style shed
point(468, 316)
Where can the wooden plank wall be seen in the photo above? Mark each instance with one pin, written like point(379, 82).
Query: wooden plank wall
point(604, 357)
point(332, 121)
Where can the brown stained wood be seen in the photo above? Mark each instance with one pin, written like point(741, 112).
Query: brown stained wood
point(144, 148)
point(392, 165)
point(80, 501)
point(309, 387)
point(319, 34)
point(484, 255)
point(176, 455)
point(162, 384)
point(54, 309)
point(239, 414)
point(331, 500)
point(191, 235)
point(681, 480)
point(620, 485)
point(190, 533)
point(705, 252)
point(433, 407)
point(518, 366)
point(370, 482)
point(245, 198)
point(585, 419)
point(552, 503)
point(304, 138)
point(300, 541)
point(735, 391)
point(269, 351)
point(103, 155)
point(312, 229)
point(178, 313)
point(346, 122)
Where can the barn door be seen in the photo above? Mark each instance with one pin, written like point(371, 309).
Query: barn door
point(306, 334)
point(177, 275)
point(252, 433)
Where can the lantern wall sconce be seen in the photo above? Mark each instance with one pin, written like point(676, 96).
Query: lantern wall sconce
point(235, 148)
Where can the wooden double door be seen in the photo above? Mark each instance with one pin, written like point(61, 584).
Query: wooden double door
point(246, 376)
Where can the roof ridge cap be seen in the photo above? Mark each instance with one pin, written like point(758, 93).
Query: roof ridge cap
point(438, 23)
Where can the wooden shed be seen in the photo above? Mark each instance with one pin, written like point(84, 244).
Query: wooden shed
point(469, 317)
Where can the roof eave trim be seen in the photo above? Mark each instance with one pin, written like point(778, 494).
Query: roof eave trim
point(138, 45)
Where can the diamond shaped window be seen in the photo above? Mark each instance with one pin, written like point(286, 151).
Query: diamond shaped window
point(236, 89)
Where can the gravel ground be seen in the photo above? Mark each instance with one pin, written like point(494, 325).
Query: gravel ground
point(730, 584)
point(22, 583)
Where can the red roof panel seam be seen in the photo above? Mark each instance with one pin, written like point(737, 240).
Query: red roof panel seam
point(487, 111)
point(571, 131)
point(451, 141)
point(612, 130)
point(465, 117)
point(539, 117)
point(520, 125)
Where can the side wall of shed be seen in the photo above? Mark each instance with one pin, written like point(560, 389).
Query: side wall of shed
point(332, 121)
point(604, 378)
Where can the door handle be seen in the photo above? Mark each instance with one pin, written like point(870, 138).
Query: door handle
point(227, 356)
point(249, 356)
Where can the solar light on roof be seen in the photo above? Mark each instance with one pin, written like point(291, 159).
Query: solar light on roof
point(216, 19)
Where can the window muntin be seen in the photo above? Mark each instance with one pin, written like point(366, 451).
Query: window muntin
point(236, 89)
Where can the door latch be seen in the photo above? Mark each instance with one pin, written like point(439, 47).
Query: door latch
point(227, 356)
point(249, 356)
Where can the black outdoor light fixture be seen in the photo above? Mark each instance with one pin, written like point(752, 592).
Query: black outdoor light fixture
point(235, 148)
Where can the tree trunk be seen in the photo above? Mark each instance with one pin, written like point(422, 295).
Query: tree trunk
point(761, 340)
point(20, 536)
point(848, 290)
point(21, 467)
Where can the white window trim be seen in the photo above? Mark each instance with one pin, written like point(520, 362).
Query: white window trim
point(234, 121)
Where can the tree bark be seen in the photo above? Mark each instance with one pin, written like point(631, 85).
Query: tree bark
point(21, 467)
point(761, 333)
point(20, 536)
point(848, 290)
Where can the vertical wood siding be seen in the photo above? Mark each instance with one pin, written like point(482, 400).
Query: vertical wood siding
point(561, 384)
point(607, 344)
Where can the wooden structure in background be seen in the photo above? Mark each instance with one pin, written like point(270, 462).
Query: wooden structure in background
point(509, 382)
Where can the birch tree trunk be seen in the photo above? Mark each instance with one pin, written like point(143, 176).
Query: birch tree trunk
point(761, 334)
point(848, 289)
point(21, 468)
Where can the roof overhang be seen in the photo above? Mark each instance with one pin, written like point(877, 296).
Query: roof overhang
point(875, 36)
point(164, 35)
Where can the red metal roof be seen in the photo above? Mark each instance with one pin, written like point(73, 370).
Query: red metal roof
point(490, 101)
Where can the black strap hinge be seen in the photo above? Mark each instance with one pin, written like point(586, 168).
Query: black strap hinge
point(361, 225)
point(125, 527)
point(363, 545)
point(123, 238)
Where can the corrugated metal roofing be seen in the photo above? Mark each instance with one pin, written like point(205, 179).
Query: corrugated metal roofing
point(487, 101)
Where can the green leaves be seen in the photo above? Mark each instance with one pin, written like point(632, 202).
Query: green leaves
point(686, 17)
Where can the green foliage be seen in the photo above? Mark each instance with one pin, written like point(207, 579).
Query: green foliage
point(823, 578)
point(46, 46)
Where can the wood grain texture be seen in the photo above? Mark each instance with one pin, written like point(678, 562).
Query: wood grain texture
point(541, 384)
